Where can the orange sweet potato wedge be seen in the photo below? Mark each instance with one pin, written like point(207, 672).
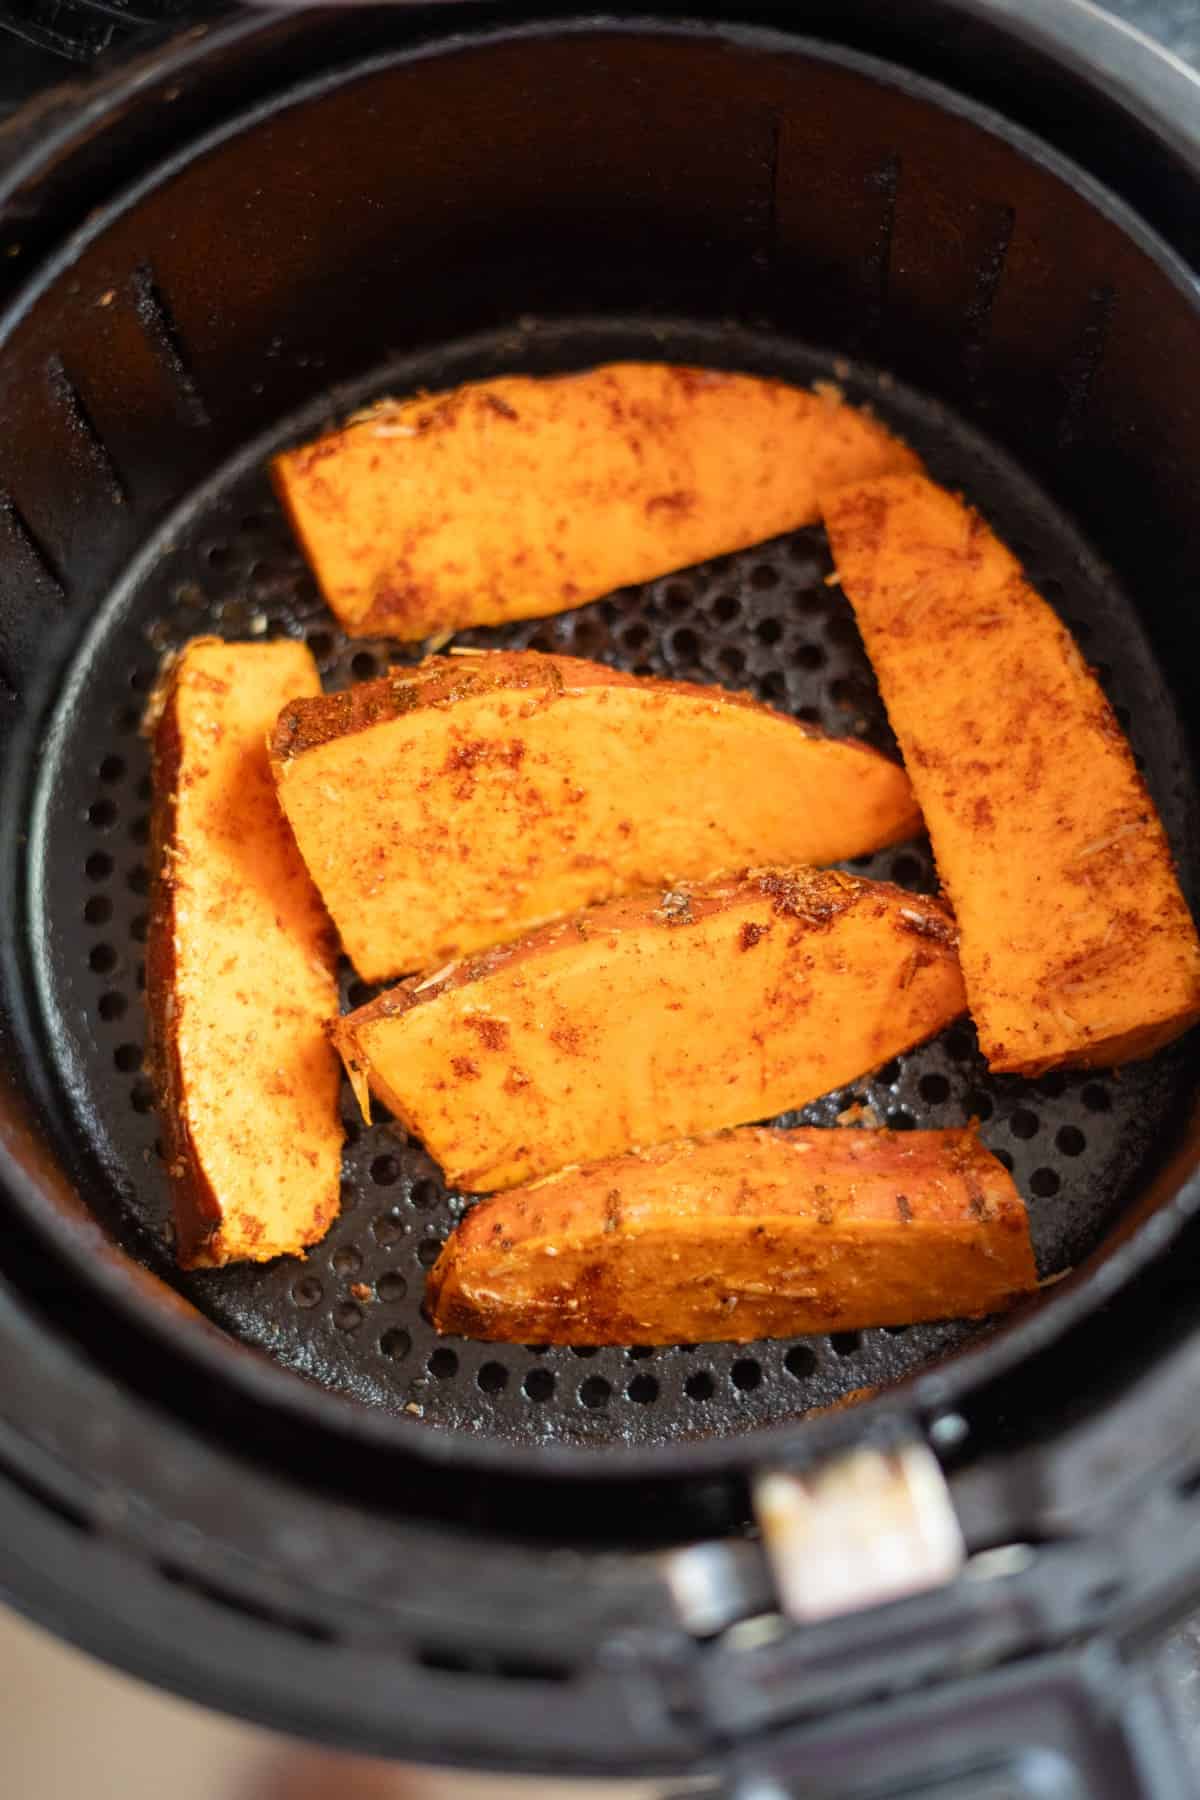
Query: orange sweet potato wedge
point(448, 807)
point(1077, 946)
point(521, 496)
point(749, 1234)
point(240, 963)
point(654, 1017)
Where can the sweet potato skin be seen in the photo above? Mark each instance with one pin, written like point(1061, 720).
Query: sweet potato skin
point(654, 1017)
point(749, 1234)
point(1077, 946)
point(509, 498)
point(453, 805)
point(239, 968)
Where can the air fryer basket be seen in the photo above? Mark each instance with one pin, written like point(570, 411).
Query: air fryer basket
point(350, 1315)
point(382, 209)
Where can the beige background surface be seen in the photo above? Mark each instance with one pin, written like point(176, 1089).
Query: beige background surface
point(71, 1729)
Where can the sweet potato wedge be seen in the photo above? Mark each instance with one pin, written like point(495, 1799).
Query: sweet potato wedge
point(749, 1234)
point(447, 807)
point(520, 496)
point(240, 964)
point(1076, 943)
point(654, 1017)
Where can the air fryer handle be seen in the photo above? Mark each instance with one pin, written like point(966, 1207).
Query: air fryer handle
point(1083, 1725)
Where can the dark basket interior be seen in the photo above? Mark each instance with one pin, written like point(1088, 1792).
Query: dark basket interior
point(543, 205)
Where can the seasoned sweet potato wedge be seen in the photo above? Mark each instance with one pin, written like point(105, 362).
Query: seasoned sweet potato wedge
point(749, 1234)
point(654, 1017)
point(239, 968)
point(1076, 943)
point(450, 806)
point(521, 496)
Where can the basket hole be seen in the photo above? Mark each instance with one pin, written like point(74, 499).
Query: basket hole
point(1071, 1141)
point(102, 814)
point(112, 1006)
point(774, 687)
point(677, 598)
point(846, 1343)
point(391, 1287)
point(99, 866)
point(538, 1384)
point(889, 1074)
point(424, 1194)
point(700, 1386)
point(307, 1291)
point(635, 636)
point(321, 644)
point(726, 608)
point(138, 879)
point(934, 1089)
point(899, 1120)
point(1004, 1159)
point(979, 1105)
point(97, 910)
point(428, 1251)
point(218, 556)
point(385, 1170)
point(768, 631)
point(397, 1343)
point(492, 1378)
point(1095, 1097)
point(764, 576)
point(1024, 1124)
point(363, 665)
point(387, 1228)
point(127, 719)
point(732, 660)
point(595, 1392)
point(643, 1389)
point(347, 1316)
point(347, 1260)
point(139, 831)
point(443, 1364)
point(746, 1374)
point(800, 1361)
point(1044, 1183)
point(685, 643)
point(112, 768)
point(639, 1352)
point(906, 871)
point(128, 1058)
point(1053, 1085)
point(585, 1349)
point(102, 959)
point(139, 925)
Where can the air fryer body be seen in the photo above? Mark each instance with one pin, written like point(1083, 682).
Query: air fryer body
point(294, 1502)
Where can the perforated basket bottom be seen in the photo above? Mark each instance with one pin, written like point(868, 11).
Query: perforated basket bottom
point(769, 620)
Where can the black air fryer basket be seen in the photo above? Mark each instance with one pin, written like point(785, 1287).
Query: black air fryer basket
point(274, 1488)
